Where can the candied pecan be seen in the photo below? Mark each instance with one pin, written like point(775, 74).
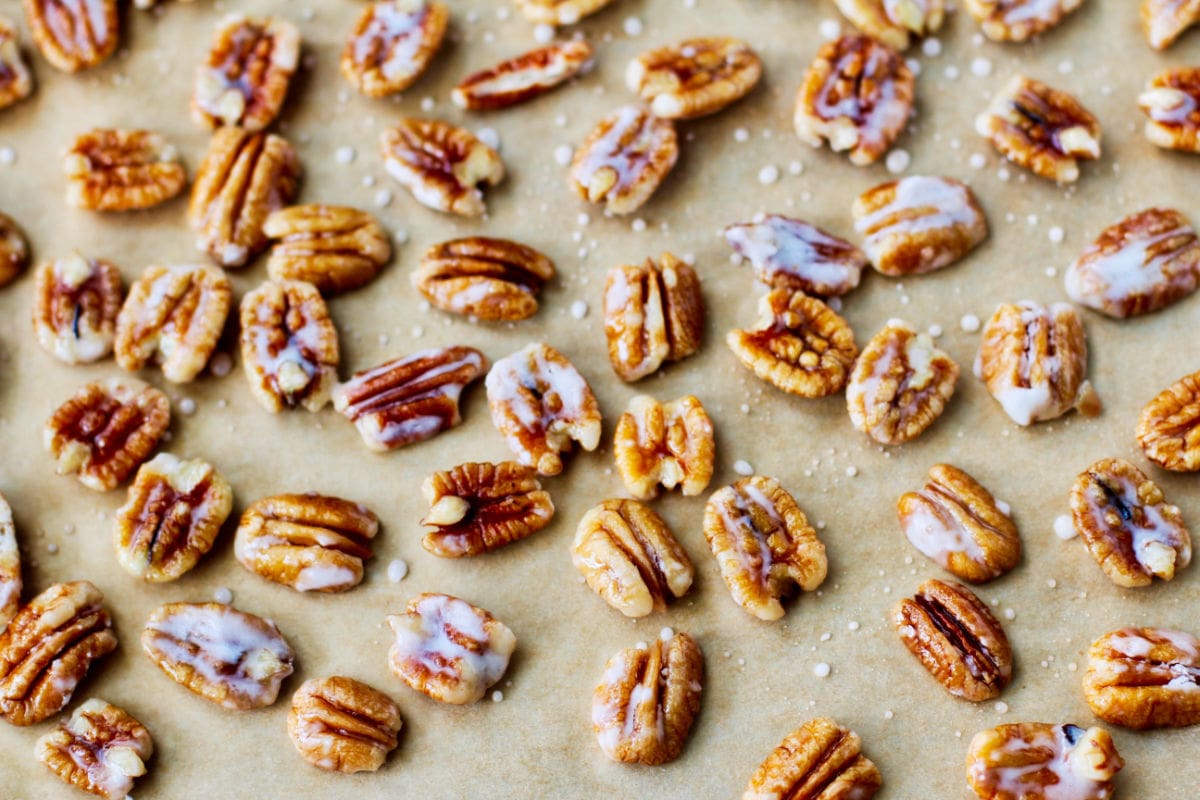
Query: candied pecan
point(1144, 678)
point(334, 248)
point(820, 760)
point(694, 77)
point(894, 22)
point(647, 700)
point(540, 403)
point(791, 254)
point(653, 313)
point(1164, 21)
point(10, 565)
point(444, 167)
point(624, 159)
point(1040, 761)
point(48, 648)
point(1040, 128)
point(1168, 428)
point(106, 430)
point(14, 252)
point(956, 638)
point(800, 345)
point(245, 77)
point(172, 517)
point(75, 308)
point(476, 508)
point(289, 346)
point(343, 725)
point(392, 43)
point(492, 279)
point(1128, 526)
point(16, 81)
point(858, 96)
point(173, 315)
point(119, 170)
point(1033, 359)
point(309, 542)
point(664, 443)
point(448, 649)
point(523, 77)
point(629, 557)
point(100, 749)
point(1171, 103)
point(229, 657)
point(74, 35)
point(559, 12)
point(956, 522)
point(1018, 20)
point(409, 399)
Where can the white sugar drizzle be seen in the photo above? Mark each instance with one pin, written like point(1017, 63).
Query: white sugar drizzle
point(780, 244)
point(1139, 268)
point(397, 28)
point(431, 636)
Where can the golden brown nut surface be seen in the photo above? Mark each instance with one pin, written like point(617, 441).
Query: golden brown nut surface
point(653, 313)
point(490, 279)
point(524, 77)
point(694, 77)
point(1170, 102)
point(244, 78)
point(14, 250)
point(74, 35)
point(75, 307)
point(392, 43)
point(444, 167)
point(10, 565)
point(559, 12)
point(334, 248)
point(1019, 20)
point(1164, 21)
point(119, 170)
point(343, 725)
point(1144, 678)
point(894, 22)
point(101, 749)
point(668, 444)
point(624, 159)
point(1168, 428)
point(476, 508)
point(820, 760)
point(16, 81)
point(1041, 761)
point(788, 253)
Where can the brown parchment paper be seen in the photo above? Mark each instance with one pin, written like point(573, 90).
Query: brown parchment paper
point(760, 683)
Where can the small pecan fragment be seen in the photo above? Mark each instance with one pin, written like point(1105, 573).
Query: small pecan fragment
point(647, 700)
point(229, 657)
point(14, 251)
point(629, 557)
point(491, 279)
point(309, 542)
point(653, 313)
point(476, 508)
point(1019, 20)
point(106, 430)
point(1128, 526)
point(857, 96)
point(343, 725)
point(1144, 678)
point(1171, 103)
point(559, 12)
point(119, 170)
point(1164, 21)
point(1168, 428)
point(100, 749)
point(334, 248)
point(624, 159)
point(245, 77)
point(391, 45)
point(894, 22)
point(664, 443)
point(409, 399)
point(74, 35)
point(16, 81)
point(1033, 359)
point(540, 403)
point(800, 345)
point(75, 308)
point(788, 253)
point(444, 166)
point(956, 638)
point(1041, 761)
point(173, 315)
point(1042, 129)
point(957, 523)
point(48, 648)
point(10, 565)
point(694, 77)
point(172, 517)
point(289, 346)
point(763, 544)
point(820, 760)
point(448, 649)
point(523, 77)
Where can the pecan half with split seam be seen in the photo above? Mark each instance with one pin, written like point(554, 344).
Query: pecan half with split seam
point(820, 760)
point(1040, 761)
point(120, 170)
point(334, 248)
point(1168, 428)
point(694, 77)
point(244, 79)
point(444, 167)
point(624, 159)
point(490, 279)
point(74, 35)
point(476, 508)
point(1144, 678)
point(343, 725)
point(75, 308)
point(653, 313)
point(788, 253)
point(101, 749)
point(664, 443)
point(523, 77)
point(391, 45)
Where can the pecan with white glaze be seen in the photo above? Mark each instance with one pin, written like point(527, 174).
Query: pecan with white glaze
point(343, 725)
point(820, 760)
point(695, 77)
point(1168, 428)
point(559, 12)
point(1171, 103)
point(244, 79)
point(1144, 678)
point(1040, 761)
point(289, 346)
point(16, 81)
point(10, 565)
point(668, 444)
point(101, 749)
point(653, 313)
point(14, 250)
point(334, 248)
point(119, 170)
point(624, 159)
point(75, 308)
point(788, 253)
point(391, 45)
point(491, 279)
point(444, 167)
point(478, 507)
point(74, 35)
point(524, 77)
point(1164, 21)
point(1019, 20)
point(894, 22)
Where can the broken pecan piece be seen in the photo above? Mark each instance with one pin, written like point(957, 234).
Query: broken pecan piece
point(101, 749)
point(14, 251)
point(391, 45)
point(1040, 761)
point(10, 565)
point(244, 79)
point(694, 77)
point(653, 313)
point(1168, 428)
point(624, 159)
point(119, 170)
point(524, 77)
point(334, 248)
point(476, 508)
point(16, 81)
point(820, 760)
point(444, 167)
point(1171, 103)
point(75, 308)
point(289, 346)
point(74, 35)
point(343, 725)
point(1164, 21)
point(664, 443)
point(559, 12)
point(894, 22)
point(788, 253)
point(1019, 20)
point(1144, 678)
point(490, 279)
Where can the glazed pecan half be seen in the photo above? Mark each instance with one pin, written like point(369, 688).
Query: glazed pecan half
point(392, 43)
point(559, 12)
point(653, 313)
point(1171, 103)
point(119, 170)
point(75, 308)
point(1040, 761)
point(1019, 20)
point(343, 725)
point(14, 251)
point(74, 35)
point(1168, 428)
point(820, 760)
point(10, 565)
point(1144, 678)
point(624, 159)
point(524, 77)
point(491, 279)
point(289, 346)
point(894, 22)
point(445, 167)
point(664, 443)
point(244, 79)
point(334, 248)
point(476, 508)
point(1164, 21)
point(694, 77)
point(16, 81)
point(101, 749)
point(788, 253)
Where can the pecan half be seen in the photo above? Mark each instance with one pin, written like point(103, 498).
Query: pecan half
point(334, 248)
point(75, 308)
point(476, 508)
point(409, 399)
point(16, 81)
point(1042, 129)
point(957, 523)
point(664, 443)
point(172, 517)
point(694, 77)
point(524, 77)
point(100, 749)
point(491, 279)
point(10, 565)
point(343, 725)
point(1168, 428)
point(1171, 103)
point(448, 649)
point(629, 557)
point(788, 253)
point(309, 542)
point(1164, 21)
point(120, 170)
point(289, 346)
point(540, 403)
point(800, 345)
point(820, 760)
point(894, 22)
point(1128, 526)
point(559, 12)
point(653, 313)
point(857, 96)
point(228, 657)
point(48, 648)
point(14, 251)
point(1144, 678)
point(391, 45)
point(1019, 20)
point(173, 315)
point(245, 77)
point(1033, 359)
point(74, 35)
point(1040, 761)
point(624, 159)
point(956, 638)
point(900, 385)
point(445, 167)
point(763, 544)
point(647, 700)
point(106, 430)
